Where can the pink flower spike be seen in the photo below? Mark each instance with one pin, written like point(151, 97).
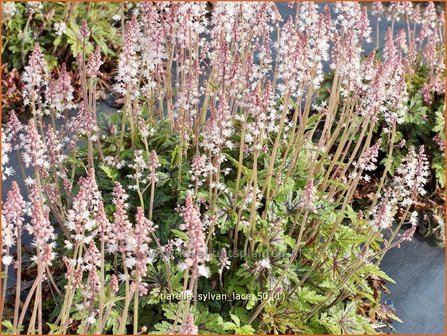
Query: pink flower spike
point(408, 234)
point(114, 285)
point(196, 248)
point(35, 77)
point(84, 31)
point(143, 229)
point(121, 235)
point(368, 160)
point(94, 62)
point(309, 195)
point(12, 216)
point(188, 327)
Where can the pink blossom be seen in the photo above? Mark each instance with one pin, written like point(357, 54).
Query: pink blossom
point(218, 129)
point(430, 16)
point(114, 285)
point(153, 165)
point(416, 15)
point(92, 257)
point(408, 234)
point(102, 221)
point(308, 201)
point(41, 228)
point(54, 147)
point(93, 287)
point(368, 159)
point(34, 150)
point(94, 62)
point(224, 263)
point(411, 175)
point(12, 216)
point(86, 122)
point(129, 62)
point(400, 10)
point(67, 185)
point(401, 40)
point(440, 142)
point(84, 32)
point(35, 78)
point(196, 248)
point(377, 8)
point(385, 90)
point(60, 92)
point(198, 166)
point(351, 30)
point(389, 51)
point(121, 235)
point(80, 219)
point(13, 128)
point(6, 149)
point(77, 278)
point(51, 192)
point(188, 327)
point(143, 229)
point(383, 213)
point(153, 41)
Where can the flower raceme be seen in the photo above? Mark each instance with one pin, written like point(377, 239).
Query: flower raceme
point(143, 229)
point(41, 229)
point(409, 182)
point(196, 253)
point(12, 220)
point(35, 79)
point(412, 174)
point(120, 240)
point(188, 327)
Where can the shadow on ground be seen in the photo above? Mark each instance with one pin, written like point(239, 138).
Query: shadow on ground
point(418, 267)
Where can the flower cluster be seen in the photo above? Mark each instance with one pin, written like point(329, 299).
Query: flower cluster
point(81, 217)
point(129, 63)
point(35, 79)
point(41, 229)
point(383, 213)
point(59, 93)
point(119, 238)
point(34, 152)
point(94, 63)
point(6, 148)
point(368, 160)
point(188, 327)
point(12, 220)
point(143, 229)
point(196, 253)
point(411, 175)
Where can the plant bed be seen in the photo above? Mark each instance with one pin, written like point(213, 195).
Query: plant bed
point(241, 188)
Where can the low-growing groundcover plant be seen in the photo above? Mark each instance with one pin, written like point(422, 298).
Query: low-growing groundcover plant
point(220, 198)
point(423, 55)
point(54, 25)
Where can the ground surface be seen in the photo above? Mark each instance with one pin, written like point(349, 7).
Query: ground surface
point(418, 268)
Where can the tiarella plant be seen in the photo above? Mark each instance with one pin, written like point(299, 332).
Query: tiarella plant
point(54, 26)
point(421, 45)
point(221, 198)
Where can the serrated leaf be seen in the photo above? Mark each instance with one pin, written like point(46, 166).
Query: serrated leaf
point(236, 319)
point(180, 234)
point(110, 172)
